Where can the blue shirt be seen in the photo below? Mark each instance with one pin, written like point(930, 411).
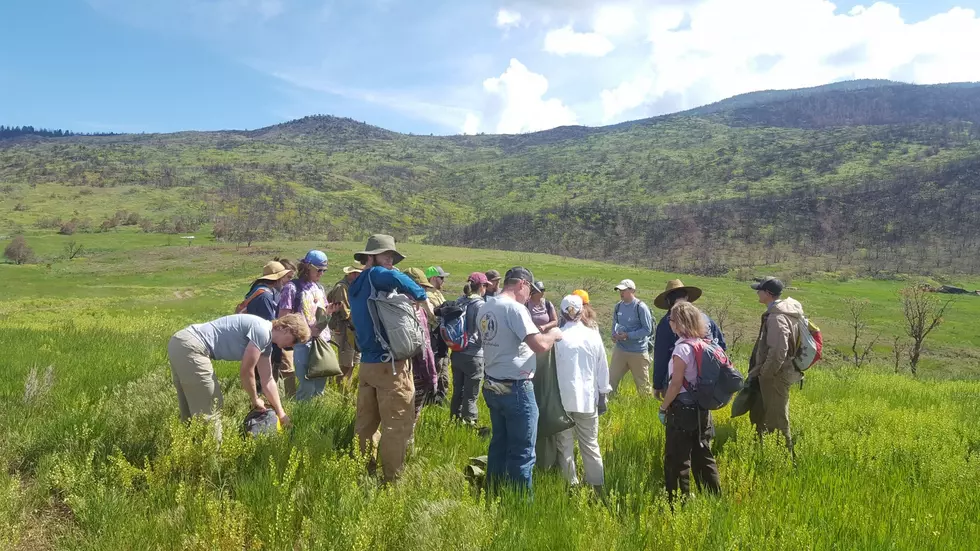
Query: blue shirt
point(634, 319)
point(266, 305)
point(385, 280)
point(663, 348)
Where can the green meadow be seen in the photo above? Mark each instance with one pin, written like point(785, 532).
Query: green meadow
point(96, 459)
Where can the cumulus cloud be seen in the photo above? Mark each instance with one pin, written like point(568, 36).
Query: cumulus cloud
point(516, 103)
point(508, 18)
point(565, 41)
point(727, 48)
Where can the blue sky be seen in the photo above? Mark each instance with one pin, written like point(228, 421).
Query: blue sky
point(444, 67)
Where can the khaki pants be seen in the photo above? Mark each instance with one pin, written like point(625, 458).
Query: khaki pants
point(288, 372)
point(637, 363)
point(198, 390)
point(387, 401)
point(586, 431)
point(770, 412)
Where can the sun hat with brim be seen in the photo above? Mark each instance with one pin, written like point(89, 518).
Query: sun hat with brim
point(418, 276)
point(377, 244)
point(693, 293)
point(274, 271)
point(352, 270)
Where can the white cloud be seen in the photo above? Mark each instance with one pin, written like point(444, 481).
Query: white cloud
point(565, 41)
point(735, 47)
point(614, 20)
point(516, 102)
point(507, 18)
point(472, 124)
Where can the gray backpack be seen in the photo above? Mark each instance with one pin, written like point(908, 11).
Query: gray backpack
point(393, 314)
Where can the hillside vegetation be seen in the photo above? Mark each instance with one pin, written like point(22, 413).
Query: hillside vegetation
point(872, 177)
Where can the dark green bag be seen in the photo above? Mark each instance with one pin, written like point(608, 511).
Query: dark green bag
point(746, 397)
point(323, 360)
point(552, 417)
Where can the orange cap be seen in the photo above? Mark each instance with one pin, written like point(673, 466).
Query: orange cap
point(583, 294)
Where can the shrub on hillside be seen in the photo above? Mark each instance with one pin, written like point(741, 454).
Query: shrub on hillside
point(68, 228)
point(18, 251)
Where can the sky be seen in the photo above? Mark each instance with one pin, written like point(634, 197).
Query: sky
point(450, 66)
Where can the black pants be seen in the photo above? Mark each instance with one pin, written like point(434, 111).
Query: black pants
point(688, 445)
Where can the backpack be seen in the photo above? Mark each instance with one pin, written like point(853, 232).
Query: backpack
point(717, 379)
point(452, 324)
point(653, 321)
point(258, 422)
point(243, 305)
point(809, 345)
point(393, 314)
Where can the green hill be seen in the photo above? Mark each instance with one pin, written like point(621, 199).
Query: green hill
point(873, 176)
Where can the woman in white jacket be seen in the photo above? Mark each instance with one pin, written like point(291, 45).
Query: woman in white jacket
point(583, 379)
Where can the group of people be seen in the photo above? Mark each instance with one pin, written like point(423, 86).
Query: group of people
point(511, 331)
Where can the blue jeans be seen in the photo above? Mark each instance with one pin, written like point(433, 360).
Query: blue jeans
point(306, 388)
point(514, 426)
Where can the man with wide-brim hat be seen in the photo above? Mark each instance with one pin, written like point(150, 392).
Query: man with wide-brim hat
point(379, 244)
point(342, 328)
point(385, 388)
point(663, 343)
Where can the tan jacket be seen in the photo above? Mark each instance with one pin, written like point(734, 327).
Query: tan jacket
point(778, 337)
point(435, 300)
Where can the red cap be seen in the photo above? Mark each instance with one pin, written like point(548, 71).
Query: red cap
point(479, 278)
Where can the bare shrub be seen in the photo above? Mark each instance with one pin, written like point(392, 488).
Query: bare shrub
point(923, 313)
point(18, 251)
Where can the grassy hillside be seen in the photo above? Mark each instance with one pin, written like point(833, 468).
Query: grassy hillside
point(95, 458)
point(771, 173)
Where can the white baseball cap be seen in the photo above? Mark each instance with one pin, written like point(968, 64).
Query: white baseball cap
point(626, 284)
point(571, 305)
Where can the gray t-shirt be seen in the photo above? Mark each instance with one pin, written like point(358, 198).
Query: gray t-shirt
point(504, 324)
point(227, 338)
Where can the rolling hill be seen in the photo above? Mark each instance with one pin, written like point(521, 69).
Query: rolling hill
point(872, 176)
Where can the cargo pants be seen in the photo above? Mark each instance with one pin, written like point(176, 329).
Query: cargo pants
point(385, 400)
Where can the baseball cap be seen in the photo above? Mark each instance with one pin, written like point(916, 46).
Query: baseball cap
point(435, 271)
point(571, 305)
point(478, 278)
point(537, 286)
point(626, 284)
point(519, 272)
point(769, 284)
point(492, 275)
point(582, 294)
point(318, 259)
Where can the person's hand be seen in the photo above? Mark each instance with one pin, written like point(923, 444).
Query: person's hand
point(601, 407)
point(663, 417)
point(285, 421)
point(622, 336)
point(659, 394)
point(258, 404)
point(334, 307)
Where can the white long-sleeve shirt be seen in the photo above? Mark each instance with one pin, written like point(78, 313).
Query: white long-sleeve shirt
point(583, 371)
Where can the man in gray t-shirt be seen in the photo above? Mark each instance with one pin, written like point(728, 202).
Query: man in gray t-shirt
point(510, 341)
point(240, 337)
point(227, 338)
point(504, 324)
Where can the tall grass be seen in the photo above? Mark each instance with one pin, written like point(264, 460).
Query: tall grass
point(95, 458)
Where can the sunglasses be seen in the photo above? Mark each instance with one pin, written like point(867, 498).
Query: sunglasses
point(321, 270)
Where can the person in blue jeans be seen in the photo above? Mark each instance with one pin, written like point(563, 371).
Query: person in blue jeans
point(510, 341)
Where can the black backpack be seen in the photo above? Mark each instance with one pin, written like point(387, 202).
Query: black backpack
point(717, 379)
